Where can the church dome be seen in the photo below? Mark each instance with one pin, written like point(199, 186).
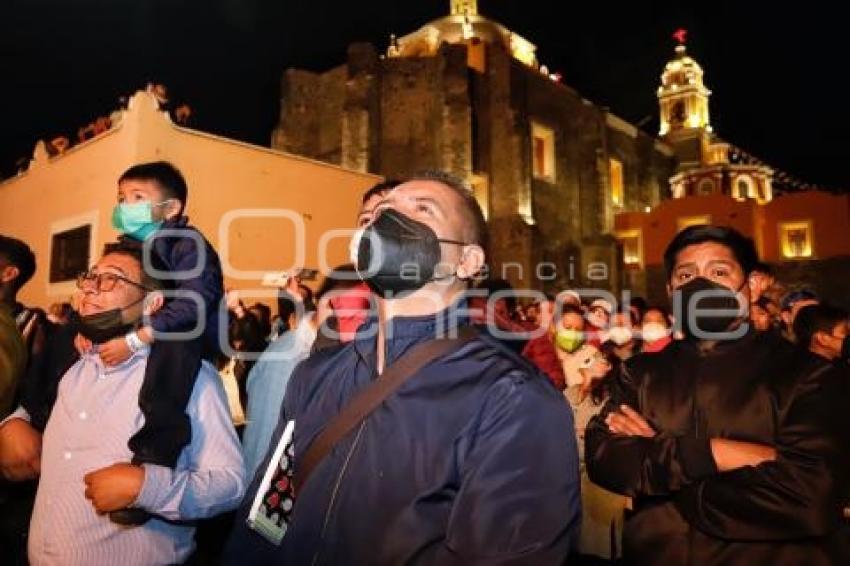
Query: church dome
point(463, 25)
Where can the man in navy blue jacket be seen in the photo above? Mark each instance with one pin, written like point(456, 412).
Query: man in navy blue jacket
point(472, 461)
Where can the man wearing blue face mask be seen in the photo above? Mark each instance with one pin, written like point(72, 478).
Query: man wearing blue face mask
point(150, 213)
point(728, 441)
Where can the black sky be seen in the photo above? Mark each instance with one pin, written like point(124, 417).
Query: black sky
point(777, 73)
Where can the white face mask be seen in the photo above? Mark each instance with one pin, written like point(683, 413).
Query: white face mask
point(598, 320)
point(653, 332)
point(620, 335)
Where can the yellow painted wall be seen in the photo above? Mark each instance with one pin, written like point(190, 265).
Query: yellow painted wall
point(223, 175)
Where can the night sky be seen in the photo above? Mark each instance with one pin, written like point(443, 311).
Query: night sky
point(776, 73)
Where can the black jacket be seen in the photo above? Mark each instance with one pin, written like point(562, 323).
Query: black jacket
point(757, 389)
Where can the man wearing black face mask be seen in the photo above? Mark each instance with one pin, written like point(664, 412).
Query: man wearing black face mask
point(460, 465)
point(727, 440)
point(84, 460)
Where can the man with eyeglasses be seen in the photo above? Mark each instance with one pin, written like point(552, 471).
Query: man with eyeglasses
point(83, 457)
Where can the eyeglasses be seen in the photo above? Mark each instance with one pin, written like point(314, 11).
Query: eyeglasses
point(105, 281)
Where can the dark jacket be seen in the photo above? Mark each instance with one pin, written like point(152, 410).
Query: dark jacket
point(40, 384)
point(472, 461)
point(756, 389)
point(193, 269)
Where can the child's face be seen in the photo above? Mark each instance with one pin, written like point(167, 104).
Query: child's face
point(131, 191)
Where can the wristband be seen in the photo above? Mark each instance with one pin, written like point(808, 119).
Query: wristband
point(134, 342)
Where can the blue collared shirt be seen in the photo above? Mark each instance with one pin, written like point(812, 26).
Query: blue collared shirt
point(96, 413)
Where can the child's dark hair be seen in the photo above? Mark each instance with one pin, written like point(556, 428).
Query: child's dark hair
point(166, 175)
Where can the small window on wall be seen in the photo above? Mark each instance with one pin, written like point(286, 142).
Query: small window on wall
point(69, 253)
point(687, 221)
point(796, 239)
point(543, 152)
point(615, 172)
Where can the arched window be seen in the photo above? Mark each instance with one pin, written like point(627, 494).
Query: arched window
point(744, 187)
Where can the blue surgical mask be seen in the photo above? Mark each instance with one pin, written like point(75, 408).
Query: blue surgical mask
point(136, 219)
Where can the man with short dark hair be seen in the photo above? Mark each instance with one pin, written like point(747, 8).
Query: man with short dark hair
point(23, 331)
point(790, 305)
point(83, 460)
point(463, 464)
point(17, 265)
point(726, 440)
point(822, 329)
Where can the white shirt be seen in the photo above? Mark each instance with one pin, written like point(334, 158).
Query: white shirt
point(96, 413)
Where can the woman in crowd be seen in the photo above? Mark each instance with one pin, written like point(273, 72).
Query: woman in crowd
point(656, 329)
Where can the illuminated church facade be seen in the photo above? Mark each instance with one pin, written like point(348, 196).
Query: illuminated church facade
point(551, 169)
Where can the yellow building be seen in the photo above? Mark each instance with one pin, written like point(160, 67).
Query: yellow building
point(265, 211)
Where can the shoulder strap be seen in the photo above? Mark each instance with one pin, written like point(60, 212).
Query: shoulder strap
point(374, 394)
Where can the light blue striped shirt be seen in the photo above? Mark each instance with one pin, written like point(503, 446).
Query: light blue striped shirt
point(96, 413)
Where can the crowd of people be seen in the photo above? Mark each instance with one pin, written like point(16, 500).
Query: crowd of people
point(405, 411)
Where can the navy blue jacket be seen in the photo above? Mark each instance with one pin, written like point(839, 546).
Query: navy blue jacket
point(472, 461)
point(183, 253)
